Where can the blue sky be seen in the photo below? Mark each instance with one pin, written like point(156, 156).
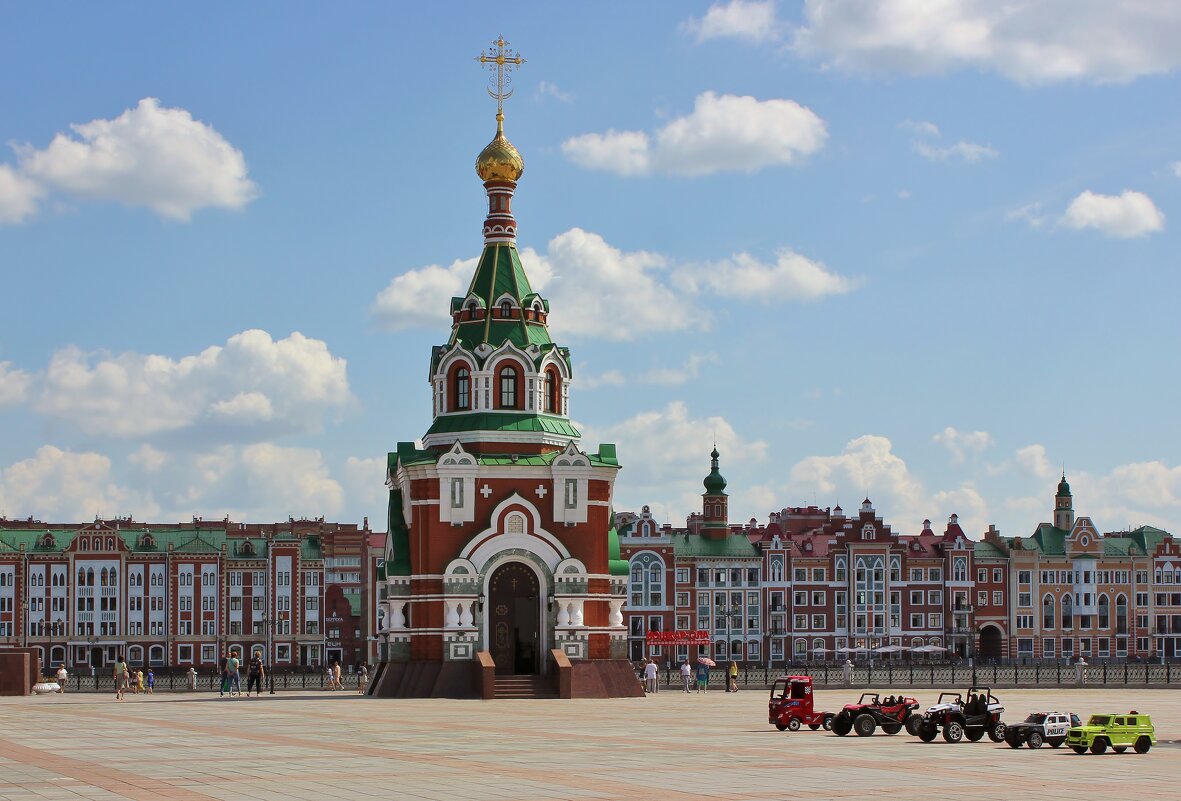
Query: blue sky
point(925, 255)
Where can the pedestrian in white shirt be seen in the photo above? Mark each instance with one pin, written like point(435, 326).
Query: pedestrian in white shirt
point(686, 675)
point(650, 675)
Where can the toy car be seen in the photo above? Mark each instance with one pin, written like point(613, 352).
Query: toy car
point(1116, 731)
point(790, 705)
point(980, 714)
point(871, 711)
point(1041, 727)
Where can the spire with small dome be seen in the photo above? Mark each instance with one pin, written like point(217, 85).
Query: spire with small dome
point(1063, 506)
point(714, 503)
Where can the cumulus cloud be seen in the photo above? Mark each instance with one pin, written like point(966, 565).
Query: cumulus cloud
point(868, 464)
point(592, 285)
point(1042, 42)
point(1031, 214)
point(152, 156)
point(1127, 215)
point(748, 20)
point(963, 443)
point(548, 89)
point(1176, 168)
point(63, 485)
point(791, 277)
point(364, 481)
point(724, 133)
point(665, 455)
point(1032, 458)
point(14, 385)
point(18, 195)
point(251, 388)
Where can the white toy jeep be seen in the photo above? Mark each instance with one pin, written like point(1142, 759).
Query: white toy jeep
point(1042, 727)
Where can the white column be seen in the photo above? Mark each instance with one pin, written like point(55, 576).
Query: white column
point(466, 618)
point(615, 618)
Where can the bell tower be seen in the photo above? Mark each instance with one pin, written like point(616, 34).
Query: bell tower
point(1063, 506)
point(714, 502)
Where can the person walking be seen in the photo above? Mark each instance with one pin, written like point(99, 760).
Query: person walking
point(151, 681)
point(62, 678)
point(139, 680)
point(362, 678)
point(650, 675)
point(120, 678)
point(232, 669)
point(255, 674)
point(686, 674)
point(225, 675)
point(732, 684)
point(702, 677)
point(337, 684)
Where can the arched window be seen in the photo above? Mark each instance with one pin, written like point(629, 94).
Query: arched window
point(1104, 612)
point(135, 654)
point(1048, 611)
point(1067, 611)
point(959, 569)
point(1121, 614)
point(461, 391)
point(110, 543)
point(102, 578)
point(777, 570)
point(508, 387)
point(553, 387)
point(90, 577)
point(156, 655)
point(81, 577)
point(506, 308)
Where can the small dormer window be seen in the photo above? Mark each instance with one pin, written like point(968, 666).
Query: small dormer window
point(506, 308)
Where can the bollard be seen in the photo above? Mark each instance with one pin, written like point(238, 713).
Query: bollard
point(192, 679)
point(1080, 672)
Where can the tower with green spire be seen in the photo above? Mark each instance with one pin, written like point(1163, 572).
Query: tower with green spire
point(714, 502)
point(1063, 506)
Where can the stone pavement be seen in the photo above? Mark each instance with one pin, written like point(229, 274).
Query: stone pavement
point(715, 746)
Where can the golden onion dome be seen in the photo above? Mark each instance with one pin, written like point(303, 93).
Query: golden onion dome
point(499, 161)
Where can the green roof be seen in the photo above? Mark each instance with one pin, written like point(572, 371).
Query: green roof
point(1049, 540)
point(398, 538)
point(986, 550)
point(354, 599)
point(499, 273)
point(196, 545)
point(503, 421)
point(732, 545)
point(714, 483)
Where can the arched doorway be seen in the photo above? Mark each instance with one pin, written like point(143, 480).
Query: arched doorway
point(514, 619)
point(990, 644)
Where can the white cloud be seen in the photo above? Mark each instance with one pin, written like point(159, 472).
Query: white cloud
point(597, 290)
point(149, 156)
point(548, 89)
point(1030, 42)
point(14, 385)
point(920, 127)
point(1176, 168)
point(1129, 214)
point(62, 485)
point(725, 133)
point(1033, 459)
point(675, 376)
point(962, 151)
point(790, 277)
point(962, 443)
point(18, 195)
point(868, 465)
point(1031, 214)
point(749, 20)
point(608, 378)
point(665, 456)
point(251, 388)
point(364, 481)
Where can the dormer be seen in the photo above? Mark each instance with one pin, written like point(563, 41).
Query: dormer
point(506, 307)
point(571, 472)
point(457, 470)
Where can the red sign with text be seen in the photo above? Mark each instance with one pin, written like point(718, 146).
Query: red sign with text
point(698, 637)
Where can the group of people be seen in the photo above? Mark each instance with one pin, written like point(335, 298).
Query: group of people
point(650, 672)
point(231, 680)
point(126, 679)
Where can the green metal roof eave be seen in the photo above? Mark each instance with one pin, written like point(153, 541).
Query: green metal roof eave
point(503, 421)
point(399, 536)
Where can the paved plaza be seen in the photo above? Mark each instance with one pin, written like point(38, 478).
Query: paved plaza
point(715, 746)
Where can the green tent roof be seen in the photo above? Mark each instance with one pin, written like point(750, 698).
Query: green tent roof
point(733, 545)
point(499, 273)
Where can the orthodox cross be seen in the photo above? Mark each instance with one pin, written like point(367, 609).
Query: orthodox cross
point(500, 61)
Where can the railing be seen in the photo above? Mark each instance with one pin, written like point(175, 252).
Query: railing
point(207, 681)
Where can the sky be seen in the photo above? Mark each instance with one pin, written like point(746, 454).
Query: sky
point(920, 252)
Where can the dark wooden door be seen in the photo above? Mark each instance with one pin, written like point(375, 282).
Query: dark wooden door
point(514, 619)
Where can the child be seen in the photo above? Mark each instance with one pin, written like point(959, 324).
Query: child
point(151, 681)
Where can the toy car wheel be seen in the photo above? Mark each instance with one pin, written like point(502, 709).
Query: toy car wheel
point(1079, 749)
point(813, 726)
point(1142, 745)
point(826, 722)
point(891, 728)
point(1013, 742)
point(841, 725)
point(794, 724)
point(1099, 746)
point(953, 732)
point(973, 735)
point(1119, 749)
point(913, 724)
point(864, 725)
point(927, 732)
point(1055, 742)
point(997, 732)
point(781, 726)
point(1035, 740)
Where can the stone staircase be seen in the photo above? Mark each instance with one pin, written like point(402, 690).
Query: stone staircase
point(524, 687)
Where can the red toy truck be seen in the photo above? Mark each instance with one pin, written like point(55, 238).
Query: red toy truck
point(790, 705)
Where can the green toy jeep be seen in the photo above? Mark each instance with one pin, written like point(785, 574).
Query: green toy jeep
point(1116, 731)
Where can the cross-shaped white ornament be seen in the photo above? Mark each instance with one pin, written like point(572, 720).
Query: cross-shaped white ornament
point(541, 490)
point(485, 491)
